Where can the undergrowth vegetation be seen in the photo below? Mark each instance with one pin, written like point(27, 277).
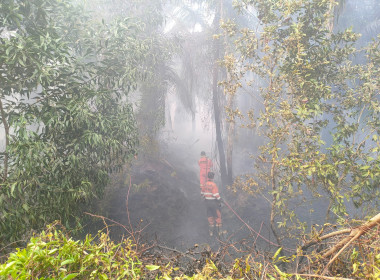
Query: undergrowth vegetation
point(53, 254)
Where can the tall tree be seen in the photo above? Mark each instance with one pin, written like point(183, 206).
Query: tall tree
point(214, 51)
point(64, 108)
point(309, 89)
point(215, 96)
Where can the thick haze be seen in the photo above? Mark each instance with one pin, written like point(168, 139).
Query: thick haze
point(184, 135)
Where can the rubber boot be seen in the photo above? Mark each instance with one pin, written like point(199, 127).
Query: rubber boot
point(211, 230)
point(220, 230)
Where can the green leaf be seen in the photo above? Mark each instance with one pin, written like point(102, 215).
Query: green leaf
point(67, 262)
point(25, 207)
point(70, 276)
point(53, 251)
point(8, 265)
point(277, 253)
point(152, 267)
point(13, 186)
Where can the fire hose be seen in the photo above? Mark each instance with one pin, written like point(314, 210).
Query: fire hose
point(252, 230)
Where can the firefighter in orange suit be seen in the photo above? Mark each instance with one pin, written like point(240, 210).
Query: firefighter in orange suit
point(210, 193)
point(205, 165)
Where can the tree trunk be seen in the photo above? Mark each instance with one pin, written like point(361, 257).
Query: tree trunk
point(219, 139)
point(231, 125)
point(193, 122)
point(6, 128)
point(274, 200)
point(230, 143)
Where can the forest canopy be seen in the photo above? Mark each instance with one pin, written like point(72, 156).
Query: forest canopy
point(286, 91)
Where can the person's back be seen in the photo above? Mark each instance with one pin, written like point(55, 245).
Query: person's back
point(205, 165)
point(210, 192)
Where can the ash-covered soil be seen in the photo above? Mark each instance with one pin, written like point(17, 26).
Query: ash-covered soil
point(165, 206)
point(162, 202)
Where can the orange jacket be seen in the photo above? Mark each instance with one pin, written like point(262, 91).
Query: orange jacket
point(210, 190)
point(205, 165)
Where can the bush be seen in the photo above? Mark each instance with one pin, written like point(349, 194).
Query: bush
point(52, 255)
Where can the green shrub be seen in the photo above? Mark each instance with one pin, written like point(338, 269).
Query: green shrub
point(52, 255)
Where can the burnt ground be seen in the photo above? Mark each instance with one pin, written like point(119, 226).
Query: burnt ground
point(164, 202)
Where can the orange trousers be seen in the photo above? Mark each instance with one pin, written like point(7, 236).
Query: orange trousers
point(202, 177)
point(214, 216)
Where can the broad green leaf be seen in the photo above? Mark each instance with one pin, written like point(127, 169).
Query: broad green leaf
point(70, 276)
point(67, 262)
point(152, 267)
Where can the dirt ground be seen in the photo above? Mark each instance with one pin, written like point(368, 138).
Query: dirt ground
point(165, 206)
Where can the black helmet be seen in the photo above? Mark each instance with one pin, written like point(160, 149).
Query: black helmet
point(211, 175)
point(203, 153)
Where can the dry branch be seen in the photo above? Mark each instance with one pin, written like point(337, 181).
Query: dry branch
point(355, 233)
point(320, 238)
point(176, 251)
point(322, 277)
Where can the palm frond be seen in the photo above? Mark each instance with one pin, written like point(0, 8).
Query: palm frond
point(373, 28)
point(181, 86)
point(338, 9)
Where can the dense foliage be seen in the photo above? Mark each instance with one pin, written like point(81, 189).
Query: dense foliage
point(65, 79)
point(319, 113)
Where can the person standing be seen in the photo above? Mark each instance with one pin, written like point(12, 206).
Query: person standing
point(205, 165)
point(210, 193)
